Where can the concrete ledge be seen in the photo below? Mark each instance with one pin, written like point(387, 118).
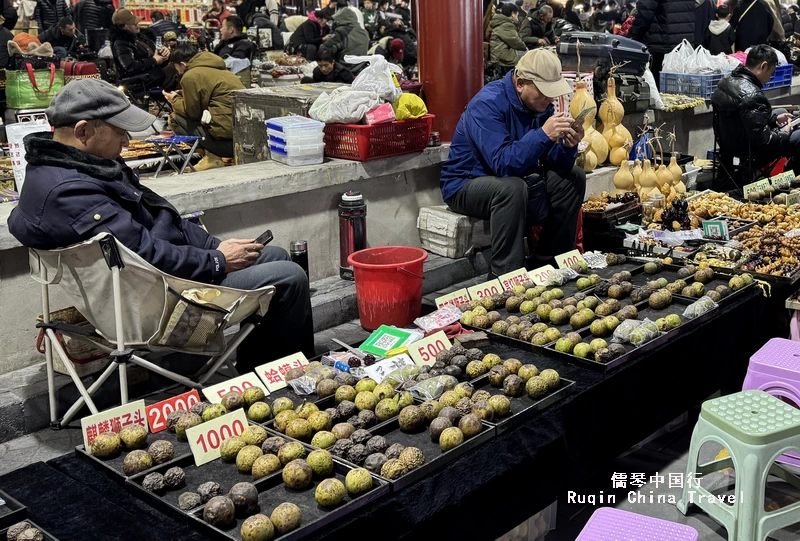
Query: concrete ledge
point(242, 184)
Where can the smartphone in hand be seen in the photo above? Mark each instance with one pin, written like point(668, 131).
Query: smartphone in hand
point(264, 238)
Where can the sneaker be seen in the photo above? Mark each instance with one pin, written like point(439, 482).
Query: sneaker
point(209, 161)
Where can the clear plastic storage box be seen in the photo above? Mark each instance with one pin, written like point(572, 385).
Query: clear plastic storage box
point(294, 125)
point(298, 155)
point(303, 138)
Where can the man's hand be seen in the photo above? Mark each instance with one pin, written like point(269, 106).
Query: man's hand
point(557, 127)
point(239, 253)
point(159, 58)
point(326, 38)
point(544, 42)
point(169, 96)
point(784, 119)
point(571, 140)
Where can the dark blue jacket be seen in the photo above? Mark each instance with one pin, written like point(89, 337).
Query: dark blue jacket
point(497, 136)
point(70, 196)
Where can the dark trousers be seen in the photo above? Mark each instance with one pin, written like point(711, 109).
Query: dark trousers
point(287, 328)
point(186, 126)
point(512, 205)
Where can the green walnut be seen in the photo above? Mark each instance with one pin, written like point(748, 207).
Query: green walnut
point(527, 371)
point(366, 384)
point(246, 457)
point(358, 481)
point(305, 410)
point(186, 422)
point(252, 395)
point(451, 438)
point(259, 412)
point(366, 400)
point(213, 411)
point(386, 409)
point(297, 474)
point(551, 378)
point(329, 493)
point(233, 401)
point(265, 465)
point(321, 463)
point(254, 435)
point(257, 528)
point(231, 447)
point(133, 437)
point(282, 404)
point(323, 439)
point(292, 450)
point(536, 387)
point(286, 517)
point(345, 392)
point(299, 429)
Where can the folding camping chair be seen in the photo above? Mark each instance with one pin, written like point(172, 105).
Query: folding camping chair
point(149, 310)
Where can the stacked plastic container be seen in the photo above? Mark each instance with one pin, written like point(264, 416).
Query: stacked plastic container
point(296, 140)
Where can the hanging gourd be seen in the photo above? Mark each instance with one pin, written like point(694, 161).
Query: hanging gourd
point(663, 175)
point(590, 161)
point(675, 169)
point(648, 180)
point(581, 101)
point(637, 173)
point(623, 180)
point(611, 113)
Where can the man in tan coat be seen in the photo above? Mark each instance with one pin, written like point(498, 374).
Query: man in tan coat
point(203, 105)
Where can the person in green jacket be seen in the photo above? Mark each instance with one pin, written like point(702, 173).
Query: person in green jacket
point(348, 37)
point(370, 17)
point(203, 105)
point(505, 40)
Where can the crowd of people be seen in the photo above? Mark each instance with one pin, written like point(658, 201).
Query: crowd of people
point(513, 27)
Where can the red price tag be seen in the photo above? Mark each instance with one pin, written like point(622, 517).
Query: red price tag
point(157, 413)
point(206, 438)
point(516, 278)
point(456, 298)
point(540, 275)
point(215, 393)
point(426, 350)
point(486, 289)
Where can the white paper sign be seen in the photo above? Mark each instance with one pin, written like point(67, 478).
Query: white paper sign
point(16, 149)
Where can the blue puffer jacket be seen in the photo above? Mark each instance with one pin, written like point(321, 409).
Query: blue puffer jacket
point(497, 136)
point(70, 196)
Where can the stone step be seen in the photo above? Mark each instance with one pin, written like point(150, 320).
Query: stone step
point(23, 393)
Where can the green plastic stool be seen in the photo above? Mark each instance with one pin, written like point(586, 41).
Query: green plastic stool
point(755, 428)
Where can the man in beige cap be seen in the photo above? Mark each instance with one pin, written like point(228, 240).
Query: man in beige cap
point(134, 54)
point(512, 162)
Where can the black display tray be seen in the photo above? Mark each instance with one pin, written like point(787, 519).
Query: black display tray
point(112, 467)
point(272, 492)
point(722, 279)
point(11, 511)
point(434, 458)
point(678, 306)
point(523, 407)
point(296, 398)
point(47, 536)
point(606, 220)
point(670, 272)
point(631, 265)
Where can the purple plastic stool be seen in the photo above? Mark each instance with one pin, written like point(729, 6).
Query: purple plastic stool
point(775, 369)
point(609, 524)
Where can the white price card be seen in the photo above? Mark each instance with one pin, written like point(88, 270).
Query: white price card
point(383, 368)
point(273, 374)
point(425, 351)
point(112, 420)
point(240, 384)
point(206, 438)
point(565, 261)
point(456, 298)
point(515, 278)
point(486, 289)
point(539, 276)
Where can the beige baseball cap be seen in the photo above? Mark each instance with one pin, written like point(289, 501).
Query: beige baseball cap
point(543, 68)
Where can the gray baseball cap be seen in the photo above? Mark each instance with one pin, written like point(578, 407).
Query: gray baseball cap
point(93, 99)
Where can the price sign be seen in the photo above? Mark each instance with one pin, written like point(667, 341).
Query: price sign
point(273, 373)
point(757, 186)
point(539, 276)
point(425, 351)
point(240, 384)
point(515, 278)
point(157, 413)
point(486, 289)
point(206, 438)
point(783, 180)
point(456, 298)
point(112, 420)
point(381, 369)
point(565, 261)
point(716, 229)
point(792, 199)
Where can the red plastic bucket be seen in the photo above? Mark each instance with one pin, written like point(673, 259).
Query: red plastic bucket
point(388, 285)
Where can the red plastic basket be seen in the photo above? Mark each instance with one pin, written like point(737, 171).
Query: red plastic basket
point(363, 142)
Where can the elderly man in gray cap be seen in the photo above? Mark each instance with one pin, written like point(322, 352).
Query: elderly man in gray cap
point(76, 186)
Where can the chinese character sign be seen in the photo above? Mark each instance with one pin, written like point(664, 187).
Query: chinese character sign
point(16, 133)
point(112, 420)
point(273, 374)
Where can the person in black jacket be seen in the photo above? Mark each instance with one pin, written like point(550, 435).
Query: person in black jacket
point(64, 37)
point(48, 12)
point(704, 14)
point(536, 30)
point(262, 20)
point(401, 8)
point(134, 54)
point(309, 36)
point(662, 25)
point(756, 24)
point(5, 37)
point(161, 25)
point(10, 16)
point(233, 43)
point(720, 36)
point(93, 14)
point(747, 124)
point(328, 70)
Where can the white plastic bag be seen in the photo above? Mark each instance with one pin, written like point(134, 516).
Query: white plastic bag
point(676, 61)
point(105, 52)
point(655, 95)
point(781, 57)
point(377, 77)
point(343, 105)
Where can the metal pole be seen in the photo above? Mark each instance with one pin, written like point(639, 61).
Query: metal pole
point(123, 374)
